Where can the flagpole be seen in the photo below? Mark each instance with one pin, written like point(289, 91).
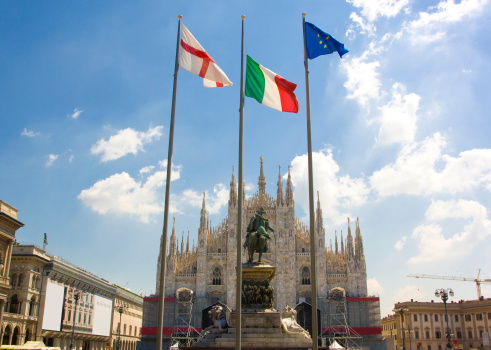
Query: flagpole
point(313, 279)
point(238, 288)
point(163, 251)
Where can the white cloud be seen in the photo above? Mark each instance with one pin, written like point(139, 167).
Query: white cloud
point(214, 202)
point(432, 25)
point(374, 288)
point(27, 133)
point(434, 246)
point(51, 159)
point(400, 243)
point(407, 293)
point(122, 195)
point(363, 83)
point(398, 117)
point(124, 142)
point(337, 193)
point(359, 25)
point(70, 159)
point(415, 172)
point(75, 114)
point(371, 9)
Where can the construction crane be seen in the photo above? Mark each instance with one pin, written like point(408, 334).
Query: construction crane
point(465, 279)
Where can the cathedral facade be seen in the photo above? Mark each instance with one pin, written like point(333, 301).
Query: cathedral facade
point(207, 269)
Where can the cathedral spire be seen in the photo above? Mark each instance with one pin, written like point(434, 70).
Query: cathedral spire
point(187, 244)
point(279, 193)
point(319, 221)
point(232, 201)
point(289, 190)
point(336, 241)
point(262, 181)
point(360, 255)
point(349, 243)
point(182, 243)
point(342, 243)
point(202, 221)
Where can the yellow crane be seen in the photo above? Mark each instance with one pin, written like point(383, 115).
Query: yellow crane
point(465, 279)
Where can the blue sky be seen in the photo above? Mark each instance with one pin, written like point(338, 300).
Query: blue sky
point(400, 130)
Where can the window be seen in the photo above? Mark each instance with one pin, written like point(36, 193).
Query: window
point(479, 317)
point(69, 315)
point(415, 317)
point(467, 318)
point(456, 318)
point(459, 335)
point(130, 330)
point(439, 347)
point(217, 276)
point(489, 315)
point(436, 318)
point(79, 317)
point(427, 334)
point(124, 329)
point(438, 335)
point(305, 276)
point(480, 333)
point(429, 347)
point(85, 318)
point(426, 318)
point(416, 334)
point(469, 334)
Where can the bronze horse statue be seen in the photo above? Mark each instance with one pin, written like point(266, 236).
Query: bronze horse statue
point(256, 242)
point(257, 237)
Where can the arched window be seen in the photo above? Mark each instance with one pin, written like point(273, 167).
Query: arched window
point(13, 280)
point(21, 280)
point(305, 275)
point(14, 305)
point(6, 335)
point(32, 306)
point(15, 336)
point(217, 276)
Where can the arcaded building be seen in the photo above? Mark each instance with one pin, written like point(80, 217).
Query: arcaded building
point(206, 269)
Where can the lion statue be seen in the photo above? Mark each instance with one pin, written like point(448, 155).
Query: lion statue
point(218, 316)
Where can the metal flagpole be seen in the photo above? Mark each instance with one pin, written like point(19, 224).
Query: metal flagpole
point(238, 288)
point(163, 252)
point(313, 279)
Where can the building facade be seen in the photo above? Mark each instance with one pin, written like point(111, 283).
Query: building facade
point(84, 306)
point(425, 325)
point(207, 270)
point(127, 319)
point(8, 227)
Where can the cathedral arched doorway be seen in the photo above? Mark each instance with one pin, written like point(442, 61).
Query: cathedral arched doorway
point(304, 317)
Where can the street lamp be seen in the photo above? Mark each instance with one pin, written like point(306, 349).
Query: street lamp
point(444, 293)
point(118, 344)
point(76, 296)
point(401, 311)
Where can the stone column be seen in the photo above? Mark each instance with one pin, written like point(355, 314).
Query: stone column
point(8, 256)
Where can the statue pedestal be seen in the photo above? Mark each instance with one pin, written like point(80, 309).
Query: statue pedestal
point(261, 325)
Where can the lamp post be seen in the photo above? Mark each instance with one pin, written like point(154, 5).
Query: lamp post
point(401, 311)
point(444, 293)
point(118, 344)
point(76, 296)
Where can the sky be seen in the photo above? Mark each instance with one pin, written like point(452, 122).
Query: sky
point(400, 130)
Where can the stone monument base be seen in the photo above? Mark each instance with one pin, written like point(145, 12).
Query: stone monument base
point(260, 329)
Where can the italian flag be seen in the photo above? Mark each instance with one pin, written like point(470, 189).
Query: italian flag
point(269, 89)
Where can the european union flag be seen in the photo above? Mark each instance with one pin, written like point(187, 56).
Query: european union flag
point(321, 43)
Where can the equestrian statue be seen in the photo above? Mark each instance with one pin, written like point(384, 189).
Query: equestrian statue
point(257, 236)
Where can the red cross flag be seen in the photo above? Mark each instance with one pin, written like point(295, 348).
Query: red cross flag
point(194, 59)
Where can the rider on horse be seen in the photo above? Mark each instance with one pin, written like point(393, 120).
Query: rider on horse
point(259, 224)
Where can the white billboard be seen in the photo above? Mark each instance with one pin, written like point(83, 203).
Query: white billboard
point(102, 315)
point(53, 307)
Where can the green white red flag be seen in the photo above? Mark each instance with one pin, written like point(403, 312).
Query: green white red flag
point(269, 89)
point(194, 59)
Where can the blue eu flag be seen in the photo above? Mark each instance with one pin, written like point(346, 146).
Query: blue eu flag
point(321, 43)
